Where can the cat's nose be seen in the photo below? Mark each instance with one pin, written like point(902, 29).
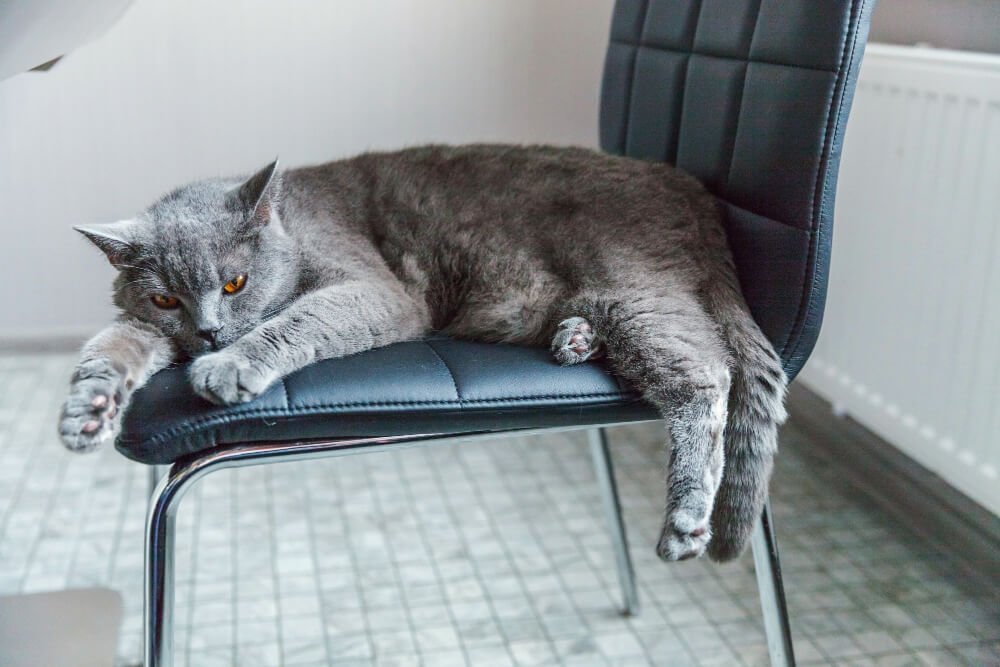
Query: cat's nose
point(210, 334)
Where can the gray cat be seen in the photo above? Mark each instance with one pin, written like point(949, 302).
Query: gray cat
point(588, 253)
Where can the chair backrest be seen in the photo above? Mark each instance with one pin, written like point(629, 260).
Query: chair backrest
point(752, 97)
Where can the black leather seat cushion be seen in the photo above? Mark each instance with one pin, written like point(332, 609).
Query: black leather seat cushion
point(431, 386)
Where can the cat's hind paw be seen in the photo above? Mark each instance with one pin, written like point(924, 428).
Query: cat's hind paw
point(89, 417)
point(575, 342)
point(683, 537)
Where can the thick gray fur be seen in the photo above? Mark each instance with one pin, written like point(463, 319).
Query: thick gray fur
point(550, 246)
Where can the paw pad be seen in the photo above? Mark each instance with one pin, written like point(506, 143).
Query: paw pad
point(88, 416)
point(683, 539)
point(575, 342)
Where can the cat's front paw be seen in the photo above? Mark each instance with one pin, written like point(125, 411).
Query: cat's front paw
point(228, 378)
point(90, 414)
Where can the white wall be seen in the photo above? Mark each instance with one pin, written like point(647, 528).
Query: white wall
point(969, 25)
point(181, 89)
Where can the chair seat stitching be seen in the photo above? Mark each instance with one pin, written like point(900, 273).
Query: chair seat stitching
point(214, 420)
point(284, 391)
point(729, 203)
point(692, 52)
point(847, 49)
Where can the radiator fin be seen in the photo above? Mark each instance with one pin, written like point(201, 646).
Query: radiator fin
point(911, 338)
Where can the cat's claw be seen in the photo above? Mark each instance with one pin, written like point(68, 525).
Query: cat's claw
point(575, 342)
point(228, 378)
point(89, 416)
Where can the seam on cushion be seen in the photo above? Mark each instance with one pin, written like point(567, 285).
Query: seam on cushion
point(631, 76)
point(284, 391)
point(730, 204)
point(775, 63)
point(213, 420)
point(736, 132)
point(815, 206)
point(780, 348)
point(743, 92)
point(678, 133)
point(451, 374)
point(680, 115)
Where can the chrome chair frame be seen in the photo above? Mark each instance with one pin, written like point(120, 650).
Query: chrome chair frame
point(168, 487)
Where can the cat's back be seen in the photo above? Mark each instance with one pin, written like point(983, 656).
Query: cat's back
point(498, 182)
point(531, 190)
point(535, 172)
point(464, 205)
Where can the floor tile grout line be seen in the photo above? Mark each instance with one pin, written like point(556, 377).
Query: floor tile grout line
point(29, 463)
point(60, 475)
point(116, 541)
point(234, 522)
point(356, 573)
point(273, 548)
point(566, 589)
point(405, 484)
point(600, 521)
point(85, 512)
point(314, 553)
point(452, 514)
point(558, 463)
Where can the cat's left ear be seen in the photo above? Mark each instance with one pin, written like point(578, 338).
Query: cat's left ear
point(258, 197)
point(114, 239)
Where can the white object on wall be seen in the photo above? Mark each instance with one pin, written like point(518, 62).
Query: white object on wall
point(911, 337)
point(35, 32)
point(182, 89)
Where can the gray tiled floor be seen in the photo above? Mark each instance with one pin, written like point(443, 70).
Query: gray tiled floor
point(480, 554)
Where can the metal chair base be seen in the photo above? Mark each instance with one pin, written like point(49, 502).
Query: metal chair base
point(171, 487)
point(605, 474)
point(772, 591)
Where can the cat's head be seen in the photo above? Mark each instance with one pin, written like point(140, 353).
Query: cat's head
point(204, 264)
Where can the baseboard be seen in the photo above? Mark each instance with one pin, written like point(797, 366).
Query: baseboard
point(47, 341)
point(966, 534)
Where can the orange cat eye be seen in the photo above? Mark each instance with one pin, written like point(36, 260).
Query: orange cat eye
point(235, 285)
point(165, 302)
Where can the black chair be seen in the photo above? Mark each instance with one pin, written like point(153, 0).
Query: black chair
point(751, 96)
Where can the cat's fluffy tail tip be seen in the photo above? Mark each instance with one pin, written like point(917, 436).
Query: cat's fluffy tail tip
point(731, 537)
point(725, 551)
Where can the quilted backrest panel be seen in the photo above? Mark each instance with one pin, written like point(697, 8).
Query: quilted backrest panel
point(752, 97)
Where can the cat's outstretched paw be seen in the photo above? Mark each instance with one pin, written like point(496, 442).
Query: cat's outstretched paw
point(575, 342)
point(228, 378)
point(90, 414)
point(683, 537)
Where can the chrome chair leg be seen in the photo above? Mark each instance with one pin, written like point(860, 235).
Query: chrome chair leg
point(772, 592)
point(158, 602)
point(158, 607)
point(613, 514)
point(153, 475)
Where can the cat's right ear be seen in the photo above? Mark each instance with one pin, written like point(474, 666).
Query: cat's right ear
point(257, 198)
point(114, 239)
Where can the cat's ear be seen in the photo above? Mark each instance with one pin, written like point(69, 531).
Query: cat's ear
point(115, 239)
point(257, 198)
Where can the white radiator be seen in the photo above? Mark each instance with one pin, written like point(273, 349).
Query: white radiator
point(911, 340)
